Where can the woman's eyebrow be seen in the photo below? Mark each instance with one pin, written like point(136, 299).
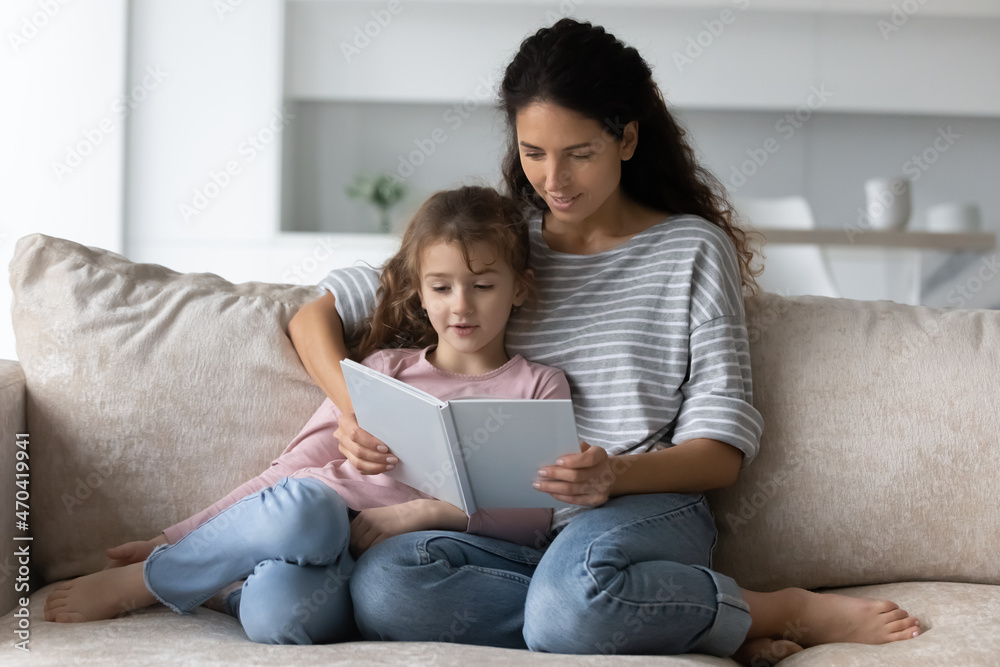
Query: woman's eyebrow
point(525, 144)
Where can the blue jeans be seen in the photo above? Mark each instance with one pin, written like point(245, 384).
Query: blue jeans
point(289, 542)
point(629, 577)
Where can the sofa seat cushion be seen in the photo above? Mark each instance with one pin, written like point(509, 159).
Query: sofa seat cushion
point(960, 622)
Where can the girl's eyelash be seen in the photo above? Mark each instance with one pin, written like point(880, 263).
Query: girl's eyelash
point(581, 157)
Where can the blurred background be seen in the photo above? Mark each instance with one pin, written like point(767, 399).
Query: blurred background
point(222, 135)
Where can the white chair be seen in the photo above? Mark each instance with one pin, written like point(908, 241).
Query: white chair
point(789, 269)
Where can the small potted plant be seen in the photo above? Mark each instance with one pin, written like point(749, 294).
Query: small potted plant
point(383, 192)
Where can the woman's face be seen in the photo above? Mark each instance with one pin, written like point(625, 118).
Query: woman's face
point(573, 162)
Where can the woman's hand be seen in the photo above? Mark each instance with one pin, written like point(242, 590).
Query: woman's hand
point(581, 479)
point(373, 525)
point(365, 452)
point(133, 552)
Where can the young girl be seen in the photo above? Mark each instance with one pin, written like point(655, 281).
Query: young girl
point(445, 300)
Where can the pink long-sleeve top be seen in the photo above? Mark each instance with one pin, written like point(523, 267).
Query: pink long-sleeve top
point(314, 452)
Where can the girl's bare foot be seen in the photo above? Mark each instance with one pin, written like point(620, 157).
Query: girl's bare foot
point(133, 552)
point(765, 651)
point(99, 596)
point(809, 619)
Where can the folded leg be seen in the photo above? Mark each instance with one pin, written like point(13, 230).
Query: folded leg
point(300, 521)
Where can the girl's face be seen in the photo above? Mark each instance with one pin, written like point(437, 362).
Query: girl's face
point(571, 161)
point(468, 308)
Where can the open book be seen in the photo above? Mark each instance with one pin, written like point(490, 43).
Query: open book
point(470, 452)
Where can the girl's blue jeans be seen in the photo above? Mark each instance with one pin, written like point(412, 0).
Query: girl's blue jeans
point(290, 543)
point(629, 577)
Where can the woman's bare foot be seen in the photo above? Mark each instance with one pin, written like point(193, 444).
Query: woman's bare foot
point(765, 651)
point(99, 596)
point(133, 552)
point(809, 619)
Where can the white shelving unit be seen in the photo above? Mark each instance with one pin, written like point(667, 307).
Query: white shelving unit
point(970, 241)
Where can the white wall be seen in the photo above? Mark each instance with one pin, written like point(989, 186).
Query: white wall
point(205, 156)
point(62, 79)
point(205, 153)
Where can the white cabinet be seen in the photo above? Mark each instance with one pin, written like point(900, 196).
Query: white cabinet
point(929, 65)
point(726, 54)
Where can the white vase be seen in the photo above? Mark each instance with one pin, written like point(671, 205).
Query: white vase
point(887, 202)
point(953, 217)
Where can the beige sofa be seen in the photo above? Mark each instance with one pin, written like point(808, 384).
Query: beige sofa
point(148, 394)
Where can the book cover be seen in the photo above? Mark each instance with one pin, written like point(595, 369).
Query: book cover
point(470, 452)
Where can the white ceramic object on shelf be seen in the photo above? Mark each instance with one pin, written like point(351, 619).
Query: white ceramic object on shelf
point(887, 202)
point(953, 217)
point(789, 269)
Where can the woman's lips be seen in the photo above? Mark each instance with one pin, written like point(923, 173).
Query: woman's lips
point(562, 203)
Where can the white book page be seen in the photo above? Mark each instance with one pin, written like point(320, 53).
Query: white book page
point(505, 442)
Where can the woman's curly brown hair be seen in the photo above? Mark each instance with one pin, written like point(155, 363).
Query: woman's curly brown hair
point(582, 67)
point(468, 216)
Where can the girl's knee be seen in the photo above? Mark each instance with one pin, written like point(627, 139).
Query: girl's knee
point(283, 603)
point(314, 516)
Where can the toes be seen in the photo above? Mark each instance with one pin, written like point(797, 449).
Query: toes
point(884, 606)
point(70, 617)
point(53, 602)
point(894, 615)
point(908, 633)
point(52, 609)
point(904, 624)
point(56, 604)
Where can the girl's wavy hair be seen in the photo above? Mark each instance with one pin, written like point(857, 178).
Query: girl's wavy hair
point(467, 216)
point(583, 68)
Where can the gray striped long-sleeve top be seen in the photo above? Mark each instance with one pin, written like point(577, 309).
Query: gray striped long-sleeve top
point(651, 335)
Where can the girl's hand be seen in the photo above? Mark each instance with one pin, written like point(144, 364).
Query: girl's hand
point(373, 525)
point(581, 479)
point(133, 552)
point(365, 452)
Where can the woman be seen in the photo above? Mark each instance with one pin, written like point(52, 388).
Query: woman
point(640, 274)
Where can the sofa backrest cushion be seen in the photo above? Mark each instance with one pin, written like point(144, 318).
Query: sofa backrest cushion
point(878, 461)
point(150, 394)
